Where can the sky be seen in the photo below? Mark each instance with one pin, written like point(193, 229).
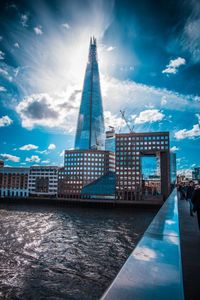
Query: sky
point(149, 60)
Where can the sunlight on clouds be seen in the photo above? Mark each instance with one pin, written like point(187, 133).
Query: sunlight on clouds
point(5, 121)
point(33, 158)
point(174, 64)
point(51, 147)
point(149, 115)
point(38, 30)
point(10, 157)
point(184, 133)
point(113, 120)
point(28, 147)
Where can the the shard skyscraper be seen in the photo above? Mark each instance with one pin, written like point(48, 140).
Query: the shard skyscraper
point(90, 133)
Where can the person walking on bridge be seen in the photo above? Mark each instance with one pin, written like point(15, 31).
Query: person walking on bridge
point(196, 202)
point(189, 193)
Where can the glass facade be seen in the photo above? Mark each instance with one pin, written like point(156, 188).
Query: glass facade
point(90, 133)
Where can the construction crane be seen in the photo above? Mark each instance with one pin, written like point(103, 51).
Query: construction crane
point(126, 121)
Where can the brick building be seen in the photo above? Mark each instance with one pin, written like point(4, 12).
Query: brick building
point(14, 182)
point(130, 148)
point(82, 167)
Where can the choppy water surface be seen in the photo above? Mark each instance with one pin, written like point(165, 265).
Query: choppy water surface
point(64, 253)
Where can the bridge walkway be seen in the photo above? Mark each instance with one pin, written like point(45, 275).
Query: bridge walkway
point(190, 251)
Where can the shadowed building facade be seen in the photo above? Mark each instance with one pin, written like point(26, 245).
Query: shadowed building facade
point(90, 133)
point(130, 148)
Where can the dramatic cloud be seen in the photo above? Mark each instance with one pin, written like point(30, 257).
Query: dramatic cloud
point(38, 30)
point(2, 55)
point(111, 48)
point(49, 111)
point(52, 147)
point(47, 161)
point(174, 64)
point(33, 158)
point(65, 25)
point(174, 148)
point(113, 120)
point(10, 157)
point(28, 147)
point(149, 115)
point(24, 20)
point(2, 89)
point(184, 133)
point(16, 45)
point(5, 121)
point(190, 38)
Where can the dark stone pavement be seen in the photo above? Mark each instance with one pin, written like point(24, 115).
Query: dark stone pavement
point(190, 251)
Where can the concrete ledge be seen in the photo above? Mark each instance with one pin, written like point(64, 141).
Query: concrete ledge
point(83, 202)
point(153, 270)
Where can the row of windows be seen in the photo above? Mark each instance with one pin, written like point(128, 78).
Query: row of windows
point(80, 164)
point(128, 183)
point(133, 138)
point(78, 154)
point(141, 148)
point(141, 144)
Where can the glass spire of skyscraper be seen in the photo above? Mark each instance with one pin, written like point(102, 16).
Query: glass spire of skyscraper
point(90, 133)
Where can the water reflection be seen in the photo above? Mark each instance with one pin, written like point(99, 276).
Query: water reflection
point(73, 253)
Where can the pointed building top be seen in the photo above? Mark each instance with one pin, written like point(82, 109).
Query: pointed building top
point(93, 40)
point(92, 50)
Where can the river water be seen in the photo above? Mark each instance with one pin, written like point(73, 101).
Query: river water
point(64, 253)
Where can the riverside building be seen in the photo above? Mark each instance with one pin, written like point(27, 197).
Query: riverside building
point(43, 181)
point(82, 167)
point(130, 148)
point(14, 182)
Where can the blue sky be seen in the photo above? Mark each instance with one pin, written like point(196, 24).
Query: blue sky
point(149, 59)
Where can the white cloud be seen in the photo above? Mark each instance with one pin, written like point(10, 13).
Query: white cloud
point(5, 121)
point(184, 133)
point(46, 161)
point(16, 45)
point(163, 101)
point(198, 117)
point(119, 94)
point(38, 30)
point(149, 115)
point(52, 147)
point(10, 157)
point(42, 151)
point(111, 48)
point(56, 111)
point(24, 20)
point(174, 148)
point(113, 120)
point(1, 38)
point(66, 25)
point(174, 64)
point(2, 55)
point(28, 147)
point(33, 158)
point(2, 89)
point(62, 153)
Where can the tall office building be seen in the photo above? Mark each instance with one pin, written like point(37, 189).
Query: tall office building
point(130, 148)
point(90, 133)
